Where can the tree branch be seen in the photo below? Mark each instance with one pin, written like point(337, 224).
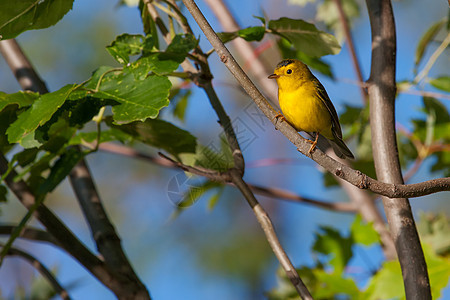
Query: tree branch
point(361, 199)
point(382, 90)
point(68, 241)
point(43, 270)
point(102, 230)
point(348, 36)
point(271, 192)
point(342, 171)
point(245, 49)
point(266, 224)
point(233, 175)
point(31, 233)
point(203, 79)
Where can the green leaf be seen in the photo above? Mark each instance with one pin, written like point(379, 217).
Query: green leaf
point(161, 134)
point(338, 248)
point(287, 51)
point(195, 191)
point(7, 117)
point(60, 170)
point(334, 286)
point(181, 44)
point(363, 233)
point(300, 2)
point(438, 270)
point(441, 83)
point(163, 62)
point(252, 33)
point(19, 16)
point(442, 163)
point(137, 99)
point(425, 40)
point(20, 98)
point(38, 114)
point(179, 109)
point(434, 230)
point(214, 199)
point(110, 135)
point(328, 13)
point(305, 37)
point(126, 45)
point(387, 283)
point(438, 110)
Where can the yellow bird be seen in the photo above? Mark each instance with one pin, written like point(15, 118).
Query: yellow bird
point(306, 105)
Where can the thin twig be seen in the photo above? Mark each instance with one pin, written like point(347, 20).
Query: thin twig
point(351, 46)
point(342, 171)
point(267, 226)
point(271, 192)
point(245, 49)
point(57, 287)
point(361, 199)
point(433, 59)
point(30, 233)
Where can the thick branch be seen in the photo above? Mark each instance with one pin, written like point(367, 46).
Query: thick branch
point(57, 287)
point(342, 171)
point(382, 90)
point(68, 241)
point(102, 230)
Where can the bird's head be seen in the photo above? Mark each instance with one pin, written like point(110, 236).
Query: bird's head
point(290, 74)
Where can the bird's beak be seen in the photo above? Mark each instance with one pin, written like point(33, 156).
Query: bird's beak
point(273, 76)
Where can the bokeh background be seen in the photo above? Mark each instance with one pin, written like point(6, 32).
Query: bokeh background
point(203, 253)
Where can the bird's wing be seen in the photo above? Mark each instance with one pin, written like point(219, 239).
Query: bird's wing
point(322, 94)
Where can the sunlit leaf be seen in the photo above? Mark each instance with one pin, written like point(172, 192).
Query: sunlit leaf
point(305, 37)
point(328, 12)
point(363, 233)
point(126, 45)
point(19, 16)
point(40, 112)
point(137, 99)
point(20, 98)
point(441, 83)
point(387, 283)
point(425, 40)
point(338, 248)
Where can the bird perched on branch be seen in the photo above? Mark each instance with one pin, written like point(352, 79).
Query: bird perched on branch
point(306, 105)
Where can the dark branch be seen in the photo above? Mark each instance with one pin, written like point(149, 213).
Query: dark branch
point(382, 92)
point(57, 287)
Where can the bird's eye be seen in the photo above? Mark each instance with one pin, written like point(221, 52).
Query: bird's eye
point(289, 71)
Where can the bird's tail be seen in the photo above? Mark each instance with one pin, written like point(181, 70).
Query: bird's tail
point(340, 148)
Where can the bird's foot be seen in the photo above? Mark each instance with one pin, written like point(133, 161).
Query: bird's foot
point(313, 144)
point(279, 115)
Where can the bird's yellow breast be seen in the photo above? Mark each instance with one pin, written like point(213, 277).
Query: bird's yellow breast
point(305, 110)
